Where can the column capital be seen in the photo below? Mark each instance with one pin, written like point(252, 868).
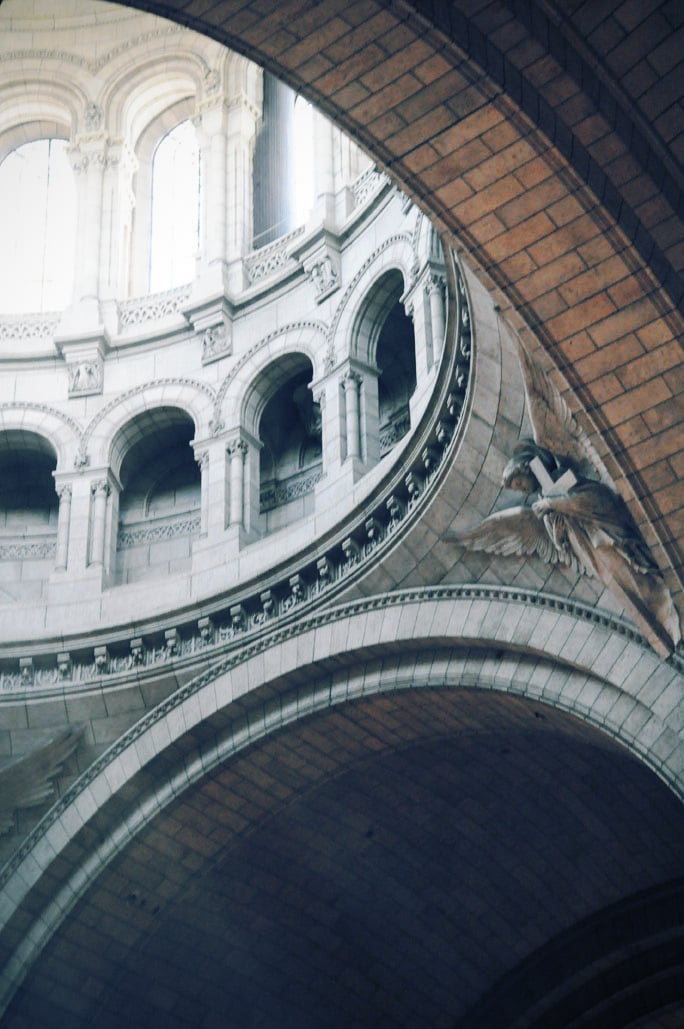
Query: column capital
point(351, 378)
point(101, 486)
point(237, 446)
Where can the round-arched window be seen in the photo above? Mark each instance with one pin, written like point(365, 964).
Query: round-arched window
point(38, 218)
point(175, 238)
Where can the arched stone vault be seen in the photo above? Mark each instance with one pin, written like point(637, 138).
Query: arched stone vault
point(508, 127)
point(543, 653)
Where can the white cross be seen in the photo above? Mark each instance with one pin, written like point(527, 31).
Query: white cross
point(548, 486)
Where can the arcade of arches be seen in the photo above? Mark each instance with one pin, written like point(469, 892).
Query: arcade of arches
point(276, 749)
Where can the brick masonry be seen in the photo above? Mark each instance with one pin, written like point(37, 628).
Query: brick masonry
point(546, 140)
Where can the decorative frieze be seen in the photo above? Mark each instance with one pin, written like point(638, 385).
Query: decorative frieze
point(23, 550)
point(278, 493)
point(153, 532)
point(368, 185)
point(25, 328)
point(271, 259)
point(154, 307)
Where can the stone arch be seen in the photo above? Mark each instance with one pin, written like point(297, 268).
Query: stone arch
point(159, 505)
point(238, 392)
point(551, 652)
point(33, 107)
point(194, 398)
point(60, 431)
point(567, 201)
point(396, 254)
point(132, 100)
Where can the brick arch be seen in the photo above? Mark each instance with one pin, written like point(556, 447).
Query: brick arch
point(549, 654)
point(521, 168)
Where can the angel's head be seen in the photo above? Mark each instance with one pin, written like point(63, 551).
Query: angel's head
point(518, 475)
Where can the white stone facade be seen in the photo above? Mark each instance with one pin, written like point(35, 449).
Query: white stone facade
point(187, 375)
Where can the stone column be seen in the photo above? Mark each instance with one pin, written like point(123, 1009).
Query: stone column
point(100, 490)
point(351, 384)
point(202, 459)
point(237, 451)
point(63, 523)
point(88, 159)
point(211, 126)
point(434, 287)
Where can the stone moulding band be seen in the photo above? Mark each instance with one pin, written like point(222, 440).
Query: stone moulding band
point(247, 635)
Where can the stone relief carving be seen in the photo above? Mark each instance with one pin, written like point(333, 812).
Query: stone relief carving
point(325, 278)
point(216, 343)
point(573, 518)
point(92, 118)
point(85, 378)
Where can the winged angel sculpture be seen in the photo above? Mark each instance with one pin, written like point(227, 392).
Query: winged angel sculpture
point(577, 520)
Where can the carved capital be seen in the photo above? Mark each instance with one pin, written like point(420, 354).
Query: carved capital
point(64, 491)
point(101, 487)
point(435, 282)
point(237, 448)
point(351, 380)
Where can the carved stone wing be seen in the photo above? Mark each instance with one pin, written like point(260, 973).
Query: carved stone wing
point(27, 782)
point(553, 423)
point(516, 532)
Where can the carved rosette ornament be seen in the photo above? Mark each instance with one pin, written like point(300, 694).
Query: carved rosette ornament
point(573, 515)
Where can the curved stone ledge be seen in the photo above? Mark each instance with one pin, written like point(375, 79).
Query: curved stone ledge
point(413, 471)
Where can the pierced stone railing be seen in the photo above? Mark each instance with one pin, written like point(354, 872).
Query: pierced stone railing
point(22, 548)
point(19, 328)
point(368, 184)
point(157, 529)
point(153, 307)
point(394, 430)
point(272, 258)
point(278, 493)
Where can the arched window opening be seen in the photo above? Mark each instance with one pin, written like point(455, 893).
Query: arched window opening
point(159, 504)
point(274, 164)
point(176, 214)
point(29, 507)
point(38, 218)
point(304, 171)
point(291, 455)
point(396, 359)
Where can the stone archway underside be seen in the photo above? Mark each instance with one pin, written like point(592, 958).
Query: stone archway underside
point(512, 128)
point(384, 862)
